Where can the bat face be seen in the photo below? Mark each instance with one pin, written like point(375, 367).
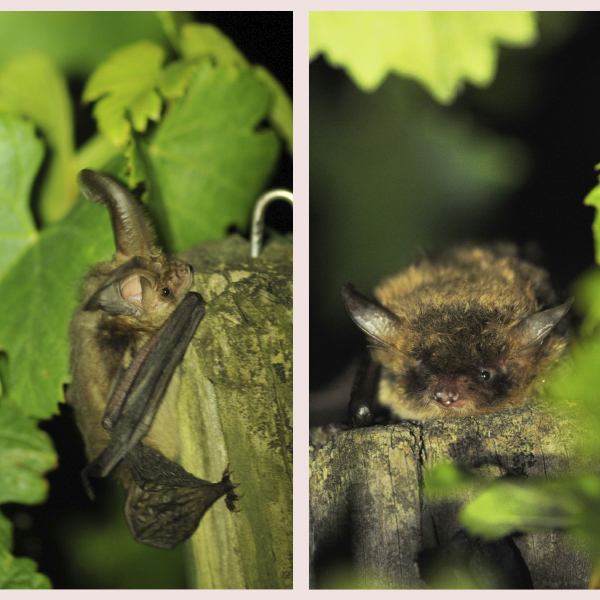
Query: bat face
point(465, 333)
point(127, 338)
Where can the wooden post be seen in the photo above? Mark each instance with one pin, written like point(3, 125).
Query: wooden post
point(236, 409)
point(367, 506)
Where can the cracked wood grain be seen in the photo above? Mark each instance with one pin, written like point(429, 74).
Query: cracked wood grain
point(366, 503)
point(235, 409)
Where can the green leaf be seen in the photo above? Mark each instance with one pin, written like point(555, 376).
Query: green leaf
point(569, 503)
point(20, 158)
point(281, 113)
point(203, 39)
point(593, 199)
point(587, 298)
point(127, 88)
point(126, 85)
point(439, 49)
point(208, 162)
point(39, 294)
point(5, 533)
point(31, 86)
point(207, 40)
point(76, 41)
point(25, 454)
point(20, 573)
point(447, 479)
point(172, 22)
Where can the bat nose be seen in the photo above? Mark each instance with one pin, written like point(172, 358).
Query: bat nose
point(446, 390)
point(446, 397)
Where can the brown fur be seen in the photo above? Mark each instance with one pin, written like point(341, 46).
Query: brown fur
point(103, 344)
point(456, 315)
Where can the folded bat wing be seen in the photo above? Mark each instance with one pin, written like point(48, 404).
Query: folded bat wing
point(165, 503)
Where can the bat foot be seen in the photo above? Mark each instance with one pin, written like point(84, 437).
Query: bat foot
point(229, 488)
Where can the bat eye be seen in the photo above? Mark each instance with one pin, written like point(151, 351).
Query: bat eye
point(485, 375)
point(166, 291)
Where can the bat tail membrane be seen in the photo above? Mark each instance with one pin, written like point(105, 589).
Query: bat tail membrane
point(165, 503)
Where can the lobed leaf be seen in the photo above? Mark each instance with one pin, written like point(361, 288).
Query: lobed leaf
point(208, 158)
point(125, 86)
point(440, 49)
point(39, 294)
point(25, 454)
point(20, 573)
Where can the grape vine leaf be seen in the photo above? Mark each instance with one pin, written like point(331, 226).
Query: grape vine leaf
point(130, 87)
point(39, 294)
point(20, 158)
point(25, 454)
point(198, 39)
point(440, 49)
point(209, 159)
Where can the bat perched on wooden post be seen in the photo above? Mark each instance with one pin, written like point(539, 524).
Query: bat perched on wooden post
point(131, 331)
point(468, 331)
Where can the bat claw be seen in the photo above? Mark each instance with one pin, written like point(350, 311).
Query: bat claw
point(230, 496)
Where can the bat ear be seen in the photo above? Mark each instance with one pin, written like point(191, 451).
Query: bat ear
point(123, 292)
point(132, 234)
point(375, 320)
point(529, 334)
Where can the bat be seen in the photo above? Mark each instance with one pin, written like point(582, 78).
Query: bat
point(130, 332)
point(465, 332)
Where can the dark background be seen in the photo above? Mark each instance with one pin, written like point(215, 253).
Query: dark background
point(377, 200)
point(45, 533)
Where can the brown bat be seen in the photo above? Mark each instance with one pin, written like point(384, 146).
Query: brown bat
point(131, 331)
point(466, 332)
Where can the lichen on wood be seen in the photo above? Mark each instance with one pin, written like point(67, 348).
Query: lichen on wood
point(368, 504)
point(235, 410)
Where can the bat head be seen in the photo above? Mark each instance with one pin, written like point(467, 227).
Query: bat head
point(143, 283)
point(454, 360)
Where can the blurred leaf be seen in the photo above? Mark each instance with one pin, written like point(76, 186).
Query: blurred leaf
point(20, 573)
point(208, 161)
point(17, 573)
point(172, 22)
point(448, 479)
point(281, 113)
point(5, 533)
point(439, 49)
point(31, 86)
point(568, 503)
point(25, 454)
point(587, 298)
point(203, 39)
point(20, 158)
point(593, 199)
point(76, 41)
point(39, 294)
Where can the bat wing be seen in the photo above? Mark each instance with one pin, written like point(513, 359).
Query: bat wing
point(138, 394)
point(164, 502)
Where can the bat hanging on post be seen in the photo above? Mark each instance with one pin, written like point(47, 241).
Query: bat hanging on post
point(465, 332)
point(131, 331)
